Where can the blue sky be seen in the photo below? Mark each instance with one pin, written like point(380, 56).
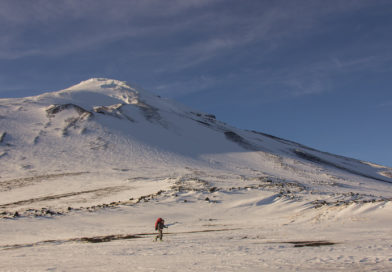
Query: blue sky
point(315, 72)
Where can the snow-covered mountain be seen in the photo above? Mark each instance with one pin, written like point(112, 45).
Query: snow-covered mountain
point(110, 158)
point(102, 139)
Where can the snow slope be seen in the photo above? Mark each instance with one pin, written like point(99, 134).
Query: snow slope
point(103, 159)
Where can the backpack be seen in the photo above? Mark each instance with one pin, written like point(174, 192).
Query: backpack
point(159, 221)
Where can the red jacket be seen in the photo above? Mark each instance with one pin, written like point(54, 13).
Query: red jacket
point(159, 224)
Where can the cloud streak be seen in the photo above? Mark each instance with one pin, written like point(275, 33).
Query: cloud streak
point(195, 42)
point(76, 25)
point(56, 28)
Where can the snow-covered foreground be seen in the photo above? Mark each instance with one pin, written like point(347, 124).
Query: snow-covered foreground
point(85, 172)
point(244, 230)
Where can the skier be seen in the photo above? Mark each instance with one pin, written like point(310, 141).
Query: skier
point(159, 226)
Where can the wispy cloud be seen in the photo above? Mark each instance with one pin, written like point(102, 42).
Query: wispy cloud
point(197, 44)
point(57, 28)
point(47, 27)
point(187, 86)
point(386, 104)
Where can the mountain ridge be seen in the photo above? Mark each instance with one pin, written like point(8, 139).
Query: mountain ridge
point(115, 134)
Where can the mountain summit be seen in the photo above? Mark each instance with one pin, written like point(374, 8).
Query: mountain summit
point(107, 140)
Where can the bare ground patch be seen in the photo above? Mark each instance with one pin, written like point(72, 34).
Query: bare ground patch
point(28, 181)
point(311, 243)
point(55, 197)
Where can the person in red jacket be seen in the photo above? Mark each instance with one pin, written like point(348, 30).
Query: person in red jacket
point(159, 226)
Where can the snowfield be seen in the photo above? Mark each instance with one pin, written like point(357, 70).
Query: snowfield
point(85, 172)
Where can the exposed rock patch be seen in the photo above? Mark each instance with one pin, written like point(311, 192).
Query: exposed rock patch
point(2, 137)
point(312, 158)
point(151, 113)
point(52, 110)
point(348, 199)
point(113, 110)
point(234, 137)
point(70, 122)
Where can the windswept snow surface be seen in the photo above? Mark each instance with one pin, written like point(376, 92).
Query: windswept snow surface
point(85, 172)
